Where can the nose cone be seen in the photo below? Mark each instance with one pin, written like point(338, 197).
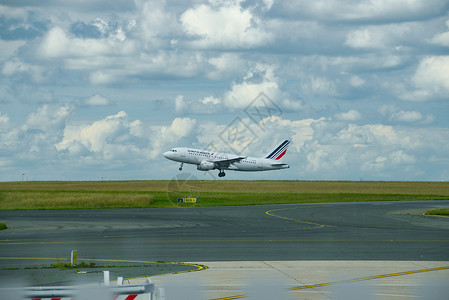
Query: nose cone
point(167, 154)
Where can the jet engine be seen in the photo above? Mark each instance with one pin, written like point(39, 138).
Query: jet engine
point(205, 166)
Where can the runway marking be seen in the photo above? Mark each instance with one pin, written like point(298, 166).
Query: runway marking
point(198, 266)
point(369, 278)
point(269, 212)
point(349, 281)
point(438, 216)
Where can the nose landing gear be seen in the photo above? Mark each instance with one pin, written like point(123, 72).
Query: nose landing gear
point(221, 174)
point(180, 168)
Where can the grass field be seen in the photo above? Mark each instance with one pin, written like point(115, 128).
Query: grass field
point(159, 193)
point(438, 212)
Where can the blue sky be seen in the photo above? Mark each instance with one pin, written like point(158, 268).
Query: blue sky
point(99, 89)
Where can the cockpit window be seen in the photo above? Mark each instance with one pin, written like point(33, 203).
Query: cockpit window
point(173, 150)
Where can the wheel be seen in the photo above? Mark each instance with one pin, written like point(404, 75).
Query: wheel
point(221, 174)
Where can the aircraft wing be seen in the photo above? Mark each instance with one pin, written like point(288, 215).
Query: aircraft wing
point(226, 162)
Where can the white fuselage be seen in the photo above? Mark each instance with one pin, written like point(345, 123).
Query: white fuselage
point(199, 157)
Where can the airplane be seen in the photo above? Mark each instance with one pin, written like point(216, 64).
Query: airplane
point(208, 160)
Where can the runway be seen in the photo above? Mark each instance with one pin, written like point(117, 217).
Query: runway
point(383, 231)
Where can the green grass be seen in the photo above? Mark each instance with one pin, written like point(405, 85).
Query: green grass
point(159, 193)
point(3, 226)
point(439, 212)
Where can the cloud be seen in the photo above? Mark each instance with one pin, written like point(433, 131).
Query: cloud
point(226, 65)
point(178, 133)
point(377, 37)
point(406, 116)
point(154, 21)
point(4, 121)
point(9, 48)
point(49, 118)
point(363, 11)
point(95, 100)
point(259, 79)
point(225, 26)
point(16, 67)
point(395, 114)
point(319, 86)
point(431, 79)
point(351, 115)
point(441, 39)
point(57, 44)
point(113, 137)
point(329, 65)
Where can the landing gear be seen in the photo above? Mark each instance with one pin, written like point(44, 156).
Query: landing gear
point(180, 168)
point(221, 174)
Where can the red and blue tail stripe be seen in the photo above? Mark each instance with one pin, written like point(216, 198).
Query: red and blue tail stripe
point(279, 151)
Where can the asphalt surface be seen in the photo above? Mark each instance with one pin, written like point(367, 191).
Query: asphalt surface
point(335, 231)
point(372, 231)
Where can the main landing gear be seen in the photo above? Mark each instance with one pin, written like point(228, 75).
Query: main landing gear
point(221, 174)
point(180, 168)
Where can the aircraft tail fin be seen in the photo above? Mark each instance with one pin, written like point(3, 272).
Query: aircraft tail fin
point(279, 151)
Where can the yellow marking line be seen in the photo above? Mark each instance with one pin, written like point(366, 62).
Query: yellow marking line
point(369, 278)
point(349, 281)
point(270, 213)
point(199, 267)
point(230, 298)
point(438, 216)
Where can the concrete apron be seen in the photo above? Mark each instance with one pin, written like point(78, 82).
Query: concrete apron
point(309, 280)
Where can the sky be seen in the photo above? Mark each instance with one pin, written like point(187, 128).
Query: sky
point(98, 89)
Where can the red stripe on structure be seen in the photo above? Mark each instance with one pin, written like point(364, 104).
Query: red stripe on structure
point(282, 154)
point(131, 297)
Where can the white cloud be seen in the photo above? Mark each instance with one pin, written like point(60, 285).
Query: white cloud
point(319, 85)
point(365, 10)
point(225, 26)
point(102, 77)
point(154, 21)
point(373, 37)
point(338, 59)
point(351, 115)
point(441, 38)
point(226, 65)
point(431, 79)
point(166, 137)
point(4, 121)
point(206, 105)
point(49, 118)
point(9, 48)
point(113, 137)
point(95, 100)
point(16, 66)
point(57, 44)
point(400, 157)
point(356, 81)
point(260, 79)
point(406, 116)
